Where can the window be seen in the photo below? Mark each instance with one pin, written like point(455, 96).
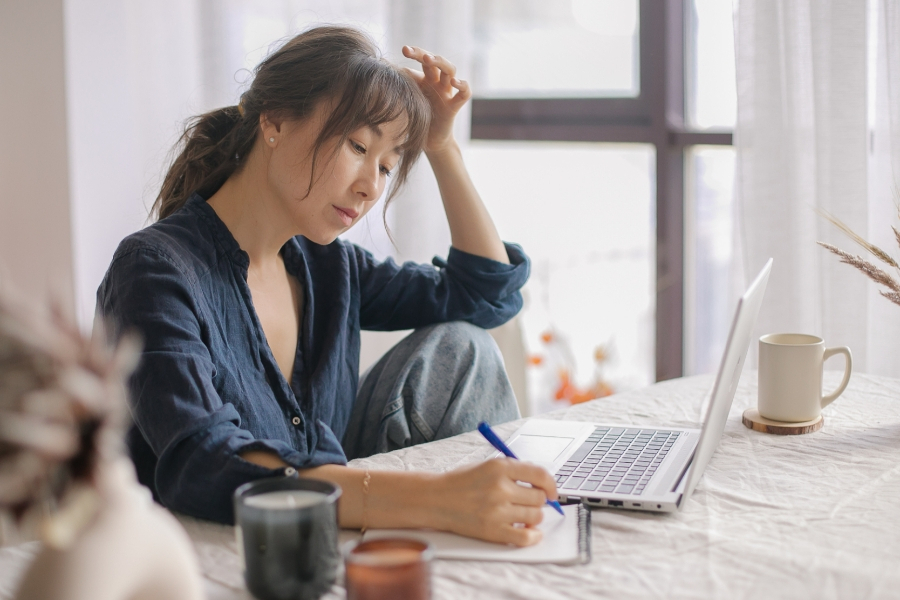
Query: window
point(584, 213)
point(678, 107)
point(710, 291)
point(525, 48)
point(709, 247)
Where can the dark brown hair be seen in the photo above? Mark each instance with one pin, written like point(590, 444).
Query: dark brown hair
point(339, 65)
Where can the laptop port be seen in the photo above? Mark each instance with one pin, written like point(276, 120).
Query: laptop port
point(616, 503)
point(635, 503)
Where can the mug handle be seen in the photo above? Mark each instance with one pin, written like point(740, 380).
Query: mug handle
point(829, 352)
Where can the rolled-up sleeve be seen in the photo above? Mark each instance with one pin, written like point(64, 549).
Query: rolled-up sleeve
point(464, 287)
point(195, 436)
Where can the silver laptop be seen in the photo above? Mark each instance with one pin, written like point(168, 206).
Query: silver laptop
point(642, 468)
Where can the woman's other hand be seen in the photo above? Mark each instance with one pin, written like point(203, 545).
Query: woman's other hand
point(485, 501)
point(444, 91)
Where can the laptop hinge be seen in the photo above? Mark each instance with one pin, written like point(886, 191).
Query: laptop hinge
point(683, 473)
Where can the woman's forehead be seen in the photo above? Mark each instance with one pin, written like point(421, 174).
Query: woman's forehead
point(392, 132)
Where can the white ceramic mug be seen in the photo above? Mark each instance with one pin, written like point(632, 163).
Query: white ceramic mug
point(790, 376)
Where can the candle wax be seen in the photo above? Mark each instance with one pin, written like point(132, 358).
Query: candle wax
point(285, 499)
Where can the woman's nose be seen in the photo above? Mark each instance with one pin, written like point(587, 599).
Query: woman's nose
point(367, 184)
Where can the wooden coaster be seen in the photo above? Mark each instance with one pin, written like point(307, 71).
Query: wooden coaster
point(753, 420)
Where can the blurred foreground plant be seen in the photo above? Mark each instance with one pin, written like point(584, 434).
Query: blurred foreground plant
point(62, 411)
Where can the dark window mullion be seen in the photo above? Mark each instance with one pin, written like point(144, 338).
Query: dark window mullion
point(555, 110)
point(662, 68)
point(563, 133)
point(701, 138)
point(655, 117)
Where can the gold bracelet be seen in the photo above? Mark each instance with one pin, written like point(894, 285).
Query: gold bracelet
point(366, 478)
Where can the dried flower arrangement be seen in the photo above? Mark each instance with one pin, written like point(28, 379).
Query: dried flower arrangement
point(871, 270)
point(62, 411)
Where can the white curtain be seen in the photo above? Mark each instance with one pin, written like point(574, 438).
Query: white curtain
point(818, 126)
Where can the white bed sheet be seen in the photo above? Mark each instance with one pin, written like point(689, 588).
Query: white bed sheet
point(813, 516)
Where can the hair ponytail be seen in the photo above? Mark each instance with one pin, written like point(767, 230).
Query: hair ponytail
point(339, 64)
point(211, 148)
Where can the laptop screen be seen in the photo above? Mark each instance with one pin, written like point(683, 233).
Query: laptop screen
point(728, 376)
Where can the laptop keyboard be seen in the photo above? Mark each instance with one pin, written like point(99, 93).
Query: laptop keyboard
point(615, 459)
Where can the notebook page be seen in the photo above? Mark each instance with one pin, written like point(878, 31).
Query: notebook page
point(559, 545)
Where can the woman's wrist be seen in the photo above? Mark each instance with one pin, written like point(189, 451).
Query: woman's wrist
point(450, 147)
point(436, 495)
point(423, 504)
point(400, 500)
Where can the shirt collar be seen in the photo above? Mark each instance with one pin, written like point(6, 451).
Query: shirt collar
point(197, 204)
point(293, 256)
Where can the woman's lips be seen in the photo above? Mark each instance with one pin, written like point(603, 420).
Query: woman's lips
point(347, 215)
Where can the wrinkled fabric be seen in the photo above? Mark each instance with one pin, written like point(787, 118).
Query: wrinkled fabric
point(810, 516)
point(208, 388)
point(439, 381)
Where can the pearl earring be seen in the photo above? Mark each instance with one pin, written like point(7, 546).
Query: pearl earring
point(271, 140)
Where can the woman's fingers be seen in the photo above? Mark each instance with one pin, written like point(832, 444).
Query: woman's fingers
point(463, 90)
point(436, 70)
point(431, 71)
point(528, 496)
point(537, 476)
point(440, 62)
point(491, 500)
point(527, 515)
point(521, 536)
point(418, 76)
point(511, 524)
point(430, 60)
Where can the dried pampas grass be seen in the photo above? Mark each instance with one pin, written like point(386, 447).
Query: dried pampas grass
point(62, 404)
point(892, 296)
point(871, 270)
point(872, 248)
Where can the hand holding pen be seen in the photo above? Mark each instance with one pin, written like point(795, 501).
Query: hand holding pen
point(497, 443)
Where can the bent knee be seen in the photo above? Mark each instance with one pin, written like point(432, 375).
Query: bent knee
point(459, 336)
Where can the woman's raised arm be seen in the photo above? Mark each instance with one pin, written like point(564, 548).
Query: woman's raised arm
point(471, 227)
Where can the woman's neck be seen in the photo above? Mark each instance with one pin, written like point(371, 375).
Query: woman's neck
point(251, 212)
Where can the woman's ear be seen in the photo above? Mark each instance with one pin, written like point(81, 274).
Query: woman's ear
point(270, 127)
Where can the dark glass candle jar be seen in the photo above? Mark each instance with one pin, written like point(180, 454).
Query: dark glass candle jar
point(387, 569)
point(287, 532)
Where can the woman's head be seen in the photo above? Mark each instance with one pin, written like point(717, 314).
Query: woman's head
point(333, 74)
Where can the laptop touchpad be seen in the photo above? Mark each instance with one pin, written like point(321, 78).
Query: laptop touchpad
point(540, 449)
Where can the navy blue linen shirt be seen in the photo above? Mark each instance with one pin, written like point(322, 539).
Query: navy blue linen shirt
point(208, 388)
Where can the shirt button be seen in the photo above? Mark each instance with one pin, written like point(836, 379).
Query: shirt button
point(295, 420)
point(290, 471)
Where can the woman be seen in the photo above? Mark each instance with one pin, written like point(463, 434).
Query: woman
point(251, 308)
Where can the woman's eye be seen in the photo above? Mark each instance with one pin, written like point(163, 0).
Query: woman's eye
point(358, 147)
point(386, 170)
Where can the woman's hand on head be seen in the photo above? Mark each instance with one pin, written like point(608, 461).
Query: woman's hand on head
point(444, 91)
point(485, 501)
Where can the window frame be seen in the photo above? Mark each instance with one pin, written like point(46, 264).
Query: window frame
point(656, 116)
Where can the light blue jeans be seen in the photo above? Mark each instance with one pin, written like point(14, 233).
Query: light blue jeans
point(437, 382)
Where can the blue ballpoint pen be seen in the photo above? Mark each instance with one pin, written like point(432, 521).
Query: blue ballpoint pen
point(497, 443)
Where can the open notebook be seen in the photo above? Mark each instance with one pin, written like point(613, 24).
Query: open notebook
point(566, 541)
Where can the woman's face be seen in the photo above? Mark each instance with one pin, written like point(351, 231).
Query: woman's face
point(348, 179)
